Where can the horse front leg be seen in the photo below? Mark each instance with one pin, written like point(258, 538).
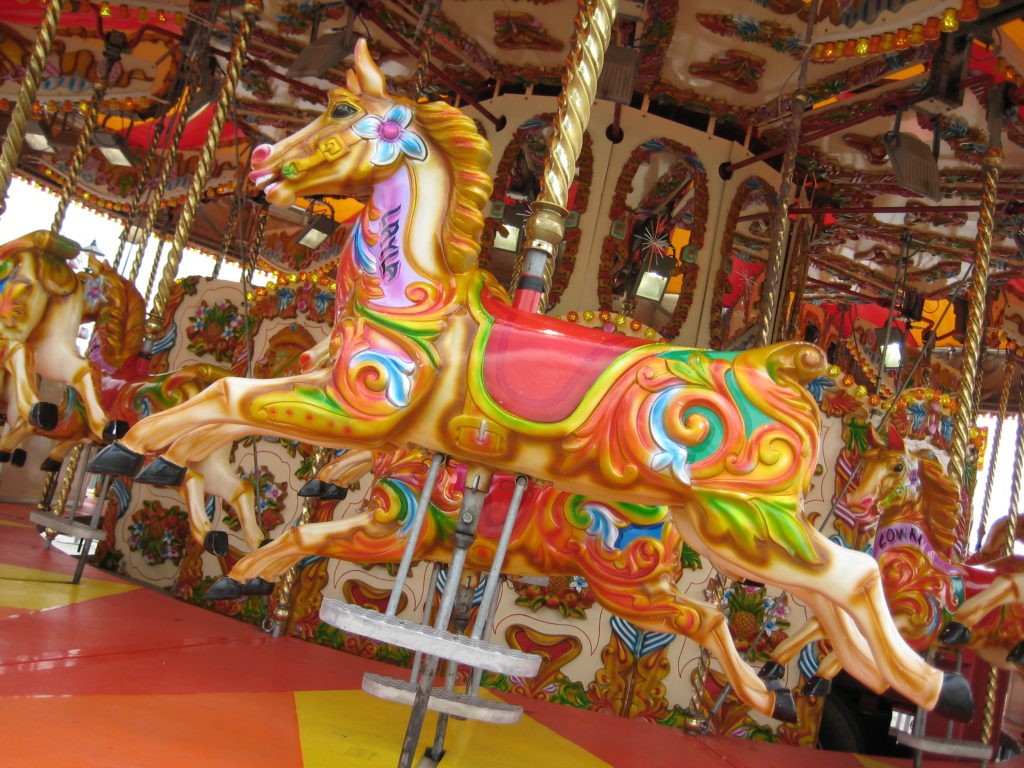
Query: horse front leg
point(360, 539)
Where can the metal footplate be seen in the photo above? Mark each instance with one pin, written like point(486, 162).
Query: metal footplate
point(441, 700)
point(433, 642)
point(67, 526)
point(902, 728)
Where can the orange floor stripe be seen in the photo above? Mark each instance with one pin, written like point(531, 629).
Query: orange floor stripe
point(254, 730)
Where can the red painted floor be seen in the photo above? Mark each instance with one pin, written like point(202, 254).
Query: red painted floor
point(136, 678)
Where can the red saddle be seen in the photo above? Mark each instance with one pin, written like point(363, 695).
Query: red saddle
point(539, 368)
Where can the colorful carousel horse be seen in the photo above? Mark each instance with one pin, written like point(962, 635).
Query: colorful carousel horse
point(42, 304)
point(111, 373)
point(428, 355)
point(629, 554)
point(911, 504)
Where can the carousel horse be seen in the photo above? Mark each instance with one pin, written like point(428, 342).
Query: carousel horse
point(35, 267)
point(42, 304)
point(629, 554)
point(427, 355)
point(910, 502)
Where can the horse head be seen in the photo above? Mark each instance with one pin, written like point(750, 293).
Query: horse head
point(354, 144)
point(365, 136)
point(889, 476)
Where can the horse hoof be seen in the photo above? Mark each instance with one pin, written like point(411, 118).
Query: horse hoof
point(161, 472)
point(43, 415)
point(955, 633)
point(771, 670)
point(115, 459)
point(312, 488)
point(115, 430)
point(18, 458)
point(257, 586)
point(5, 456)
point(216, 543)
point(819, 687)
point(785, 706)
point(1016, 654)
point(50, 465)
point(334, 492)
point(955, 700)
point(224, 588)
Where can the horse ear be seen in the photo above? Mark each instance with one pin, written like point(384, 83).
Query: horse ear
point(895, 440)
point(371, 79)
point(352, 83)
point(874, 439)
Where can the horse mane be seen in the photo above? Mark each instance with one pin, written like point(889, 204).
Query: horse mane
point(120, 319)
point(468, 154)
point(941, 504)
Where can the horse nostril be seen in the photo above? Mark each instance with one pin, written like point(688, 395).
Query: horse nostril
point(261, 153)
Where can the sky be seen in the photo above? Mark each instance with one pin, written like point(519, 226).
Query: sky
point(29, 209)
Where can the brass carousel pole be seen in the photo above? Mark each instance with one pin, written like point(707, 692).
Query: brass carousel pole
point(963, 418)
point(769, 291)
point(780, 227)
point(1004, 401)
point(15, 136)
point(251, 12)
point(989, 710)
point(112, 49)
point(545, 229)
point(137, 196)
point(283, 610)
point(154, 207)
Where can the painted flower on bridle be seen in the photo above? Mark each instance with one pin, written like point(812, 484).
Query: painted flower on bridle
point(390, 136)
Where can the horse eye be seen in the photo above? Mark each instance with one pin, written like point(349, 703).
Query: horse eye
point(898, 467)
point(343, 110)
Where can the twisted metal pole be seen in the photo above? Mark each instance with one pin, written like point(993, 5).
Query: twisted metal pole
point(964, 416)
point(112, 54)
point(780, 226)
point(156, 316)
point(545, 229)
point(141, 189)
point(989, 710)
point(18, 125)
point(159, 186)
point(225, 243)
point(283, 609)
point(1004, 401)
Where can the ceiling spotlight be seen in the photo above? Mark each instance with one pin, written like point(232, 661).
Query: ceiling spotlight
point(113, 148)
point(320, 227)
point(37, 138)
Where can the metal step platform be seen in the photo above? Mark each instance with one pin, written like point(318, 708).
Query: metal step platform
point(902, 727)
point(428, 640)
point(444, 701)
point(67, 526)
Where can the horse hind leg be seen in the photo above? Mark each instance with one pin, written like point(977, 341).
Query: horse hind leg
point(665, 609)
point(222, 480)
